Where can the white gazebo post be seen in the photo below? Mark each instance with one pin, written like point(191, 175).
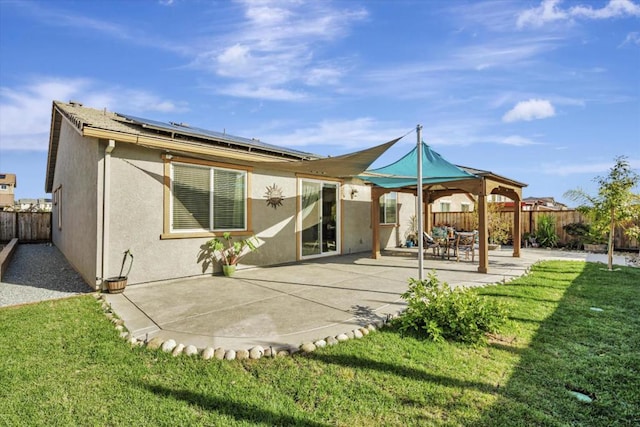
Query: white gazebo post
point(419, 208)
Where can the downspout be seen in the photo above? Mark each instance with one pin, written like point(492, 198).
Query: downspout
point(106, 191)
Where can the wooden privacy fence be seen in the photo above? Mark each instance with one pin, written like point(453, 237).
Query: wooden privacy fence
point(529, 224)
point(26, 226)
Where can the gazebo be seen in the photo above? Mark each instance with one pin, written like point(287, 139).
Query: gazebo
point(441, 178)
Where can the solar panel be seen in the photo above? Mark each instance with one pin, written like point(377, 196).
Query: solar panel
point(213, 135)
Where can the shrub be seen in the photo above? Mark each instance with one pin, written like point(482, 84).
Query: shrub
point(579, 233)
point(440, 312)
point(546, 235)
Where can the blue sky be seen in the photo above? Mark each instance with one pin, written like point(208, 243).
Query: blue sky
point(544, 92)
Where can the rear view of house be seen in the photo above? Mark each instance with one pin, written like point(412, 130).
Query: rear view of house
point(162, 190)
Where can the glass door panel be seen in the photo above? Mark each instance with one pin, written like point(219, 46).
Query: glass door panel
point(320, 218)
point(329, 218)
point(311, 218)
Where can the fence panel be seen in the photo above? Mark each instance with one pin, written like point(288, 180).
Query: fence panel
point(529, 223)
point(26, 226)
point(7, 226)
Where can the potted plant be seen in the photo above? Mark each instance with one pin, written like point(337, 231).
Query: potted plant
point(116, 285)
point(411, 235)
point(228, 252)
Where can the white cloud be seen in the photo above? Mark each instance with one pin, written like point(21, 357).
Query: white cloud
point(275, 48)
point(529, 110)
point(347, 134)
point(517, 141)
point(583, 168)
point(549, 11)
point(632, 38)
point(58, 17)
point(613, 9)
point(25, 112)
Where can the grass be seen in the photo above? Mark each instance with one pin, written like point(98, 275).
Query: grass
point(62, 363)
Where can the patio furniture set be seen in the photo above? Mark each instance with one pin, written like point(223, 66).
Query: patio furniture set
point(446, 241)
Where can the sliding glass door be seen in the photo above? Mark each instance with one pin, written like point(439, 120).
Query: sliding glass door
point(319, 218)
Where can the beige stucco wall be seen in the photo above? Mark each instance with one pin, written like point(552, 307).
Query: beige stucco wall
point(77, 172)
point(135, 214)
point(136, 220)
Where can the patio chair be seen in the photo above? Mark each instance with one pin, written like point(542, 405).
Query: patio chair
point(429, 243)
point(466, 243)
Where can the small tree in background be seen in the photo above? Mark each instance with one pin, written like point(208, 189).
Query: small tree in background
point(614, 204)
point(498, 225)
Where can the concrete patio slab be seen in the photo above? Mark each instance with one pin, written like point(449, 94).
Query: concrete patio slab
point(287, 305)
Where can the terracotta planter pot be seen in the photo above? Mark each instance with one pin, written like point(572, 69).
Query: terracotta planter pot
point(116, 285)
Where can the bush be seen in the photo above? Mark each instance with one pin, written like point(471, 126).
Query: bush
point(546, 233)
point(579, 232)
point(440, 312)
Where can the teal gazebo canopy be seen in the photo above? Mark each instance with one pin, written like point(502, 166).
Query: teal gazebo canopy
point(404, 172)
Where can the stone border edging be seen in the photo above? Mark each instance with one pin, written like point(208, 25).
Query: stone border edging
point(6, 254)
point(256, 352)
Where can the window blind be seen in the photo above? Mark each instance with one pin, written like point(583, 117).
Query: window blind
point(190, 197)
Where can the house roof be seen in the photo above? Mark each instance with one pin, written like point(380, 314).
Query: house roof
point(169, 137)
point(184, 140)
point(8, 178)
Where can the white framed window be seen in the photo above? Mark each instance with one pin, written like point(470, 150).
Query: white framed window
point(465, 207)
point(389, 208)
point(445, 206)
point(206, 198)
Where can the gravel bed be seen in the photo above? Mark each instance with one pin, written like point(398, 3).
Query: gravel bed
point(39, 272)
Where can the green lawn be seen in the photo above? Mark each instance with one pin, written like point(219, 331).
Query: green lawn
point(62, 363)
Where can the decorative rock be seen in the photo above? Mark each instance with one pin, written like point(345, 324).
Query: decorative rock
point(371, 328)
point(207, 353)
point(256, 352)
point(124, 335)
point(268, 352)
point(242, 354)
point(230, 355)
point(331, 340)
point(178, 350)
point(191, 350)
point(350, 335)
point(219, 353)
point(119, 328)
point(119, 322)
point(155, 343)
point(168, 346)
point(320, 343)
point(133, 341)
point(282, 353)
point(308, 347)
point(109, 316)
point(364, 331)
point(357, 334)
point(342, 337)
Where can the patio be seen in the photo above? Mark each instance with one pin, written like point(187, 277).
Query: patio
point(285, 306)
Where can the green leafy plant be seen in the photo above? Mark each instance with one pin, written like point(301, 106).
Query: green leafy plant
point(546, 235)
point(229, 252)
point(579, 233)
point(440, 312)
point(614, 204)
point(225, 250)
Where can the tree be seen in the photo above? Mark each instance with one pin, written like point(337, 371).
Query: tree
point(614, 204)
